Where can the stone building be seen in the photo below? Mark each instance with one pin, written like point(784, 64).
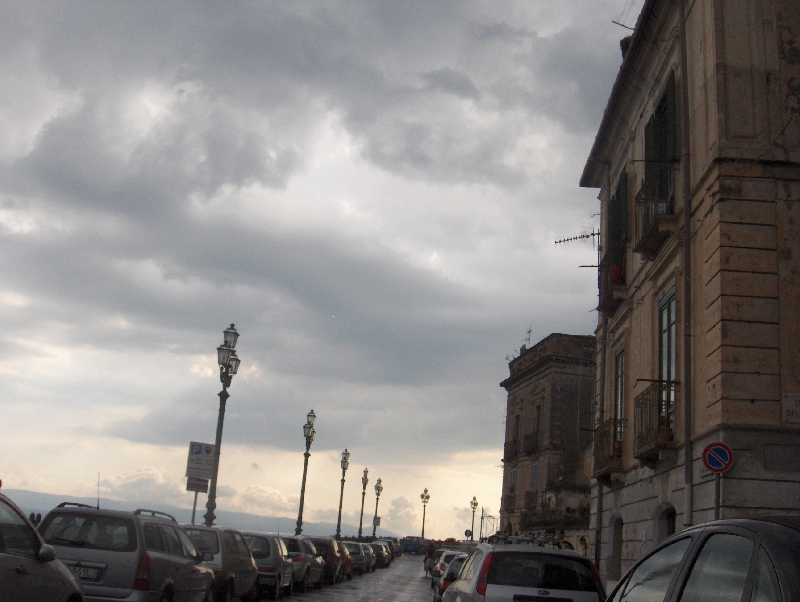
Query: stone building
point(548, 425)
point(699, 310)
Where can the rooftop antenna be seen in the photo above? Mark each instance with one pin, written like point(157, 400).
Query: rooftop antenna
point(589, 233)
point(528, 338)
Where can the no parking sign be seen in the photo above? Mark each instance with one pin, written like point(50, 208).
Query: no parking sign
point(717, 457)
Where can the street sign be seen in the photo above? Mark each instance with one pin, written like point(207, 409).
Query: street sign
point(376, 521)
point(195, 484)
point(717, 457)
point(201, 460)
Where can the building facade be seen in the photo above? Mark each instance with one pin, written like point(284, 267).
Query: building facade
point(699, 309)
point(548, 426)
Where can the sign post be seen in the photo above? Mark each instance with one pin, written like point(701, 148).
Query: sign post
point(718, 458)
point(199, 467)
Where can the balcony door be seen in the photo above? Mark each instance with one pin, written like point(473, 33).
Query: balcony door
point(666, 359)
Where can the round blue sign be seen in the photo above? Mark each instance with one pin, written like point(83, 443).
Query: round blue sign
point(717, 457)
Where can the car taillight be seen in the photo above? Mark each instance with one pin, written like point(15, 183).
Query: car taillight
point(266, 569)
point(220, 574)
point(483, 576)
point(442, 566)
point(298, 558)
point(142, 578)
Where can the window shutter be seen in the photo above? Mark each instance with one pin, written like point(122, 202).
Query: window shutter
point(622, 206)
point(650, 165)
point(671, 146)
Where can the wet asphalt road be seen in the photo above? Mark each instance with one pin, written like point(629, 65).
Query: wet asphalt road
point(403, 581)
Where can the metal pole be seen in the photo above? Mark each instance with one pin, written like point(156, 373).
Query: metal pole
point(375, 526)
point(211, 505)
point(472, 528)
point(716, 495)
point(424, 507)
point(361, 520)
point(194, 506)
point(480, 535)
point(339, 520)
point(299, 529)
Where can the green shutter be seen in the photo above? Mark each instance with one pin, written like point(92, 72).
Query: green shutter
point(671, 146)
point(622, 206)
point(650, 165)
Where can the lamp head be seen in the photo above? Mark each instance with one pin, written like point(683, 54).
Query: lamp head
point(231, 336)
point(364, 479)
point(378, 487)
point(234, 361)
point(345, 459)
point(311, 417)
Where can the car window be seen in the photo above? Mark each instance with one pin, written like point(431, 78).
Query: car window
point(547, 571)
point(353, 548)
point(766, 587)
point(241, 545)
point(720, 570)
point(228, 543)
point(455, 566)
point(90, 531)
point(16, 536)
point(283, 551)
point(188, 546)
point(292, 545)
point(312, 548)
point(471, 565)
point(152, 538)
point(205, 539)
point(173, 544)
point(650, 581)
point(259, 546)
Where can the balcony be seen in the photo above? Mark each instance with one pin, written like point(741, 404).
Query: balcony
point(530, 444)
point(655, 211)
point(611, 280)
point(530, 499)
point(509, 502)
point(560, 518)
point(653, 420)
point(608, 447)
point(510, 450)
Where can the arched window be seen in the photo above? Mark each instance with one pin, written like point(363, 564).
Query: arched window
point(665, 522)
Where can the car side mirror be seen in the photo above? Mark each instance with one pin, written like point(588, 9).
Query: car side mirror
point(46, 553)
point(207, 556)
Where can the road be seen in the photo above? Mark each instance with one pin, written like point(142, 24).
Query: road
point(403, 581)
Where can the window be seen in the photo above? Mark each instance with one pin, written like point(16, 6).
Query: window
point(720, 571)
point(516, 427)
point(174, 546)
point(618, 214)
point(513, 481)
point(766, 587)
point(651, 579)
point(16, 536)
point(188, 547)
point(537, 419)
point(99, 531)
point(532, 570)
point(471, 566)
point(152, 538)
point(205, 540)
point(660, 150)
point(619, 393)
point(259, 546)
point(534, 476)
point(241, 546)
point(666, 359)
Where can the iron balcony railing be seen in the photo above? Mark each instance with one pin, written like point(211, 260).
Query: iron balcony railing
point(510, 450)
point(608, 437)
point(530, 443)
point(611, 276)
point(655, 209)
point(653, 419)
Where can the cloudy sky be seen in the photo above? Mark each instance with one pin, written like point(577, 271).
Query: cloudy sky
point(370, 190)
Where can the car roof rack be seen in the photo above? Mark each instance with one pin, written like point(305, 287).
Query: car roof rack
point(76, 504)
point(155, 513)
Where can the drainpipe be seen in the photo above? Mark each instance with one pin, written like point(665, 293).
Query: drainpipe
point(687, 275)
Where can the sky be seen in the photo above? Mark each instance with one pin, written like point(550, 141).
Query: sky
point(370, 191)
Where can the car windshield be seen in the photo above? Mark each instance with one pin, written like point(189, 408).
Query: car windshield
point(259, 546)
point(292, 545)
point(353, 548)
point(206, 541)
point(546, 571)
point(91, 531)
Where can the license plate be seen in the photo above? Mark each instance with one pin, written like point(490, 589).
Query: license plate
point(88, 573)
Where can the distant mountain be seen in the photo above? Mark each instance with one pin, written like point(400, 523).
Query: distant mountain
point(33, 501)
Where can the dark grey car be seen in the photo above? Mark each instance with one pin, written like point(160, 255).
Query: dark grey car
point(737, 559)
point(275, 567)
point(357, 555)
point(307, 562)
point(227, 554)
point(29, 569)
point(141, 556)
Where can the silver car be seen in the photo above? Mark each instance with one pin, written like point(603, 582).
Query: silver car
point(307, 562)
point(141, 556)
point(504, 573)
point(29, 569)
point(227, 554)
point(275, 567)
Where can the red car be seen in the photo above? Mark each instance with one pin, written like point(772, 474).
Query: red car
point(347, 560)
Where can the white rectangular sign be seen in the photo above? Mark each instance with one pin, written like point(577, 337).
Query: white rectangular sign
point(376, 521)
point(201, 460)
point(791, 408)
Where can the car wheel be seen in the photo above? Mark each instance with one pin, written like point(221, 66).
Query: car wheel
point(318, 584)
point(289, 589)
point(304, 583)
point(274, 592)
point(166, 596)
point(339, 575)
point(226, 595)
point(349, 575)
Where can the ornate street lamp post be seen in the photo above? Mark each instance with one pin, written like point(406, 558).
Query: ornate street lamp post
point(378, 489)
point(345, 464)
point(308, 433)
point(228, 366)
point(364, 481)
point(424, 496)
point(474, 505)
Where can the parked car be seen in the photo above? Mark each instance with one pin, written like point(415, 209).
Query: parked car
point(136, 556)
point(357, 556)
point(734, 559)
point(347, 561)
point(275, 566)
point(381, 555)
point(369, 557)
point(441, 564)
point(307, 562)
point(29, 569)
point(389, 544)
point(503, 573)
point(411, 545)
point(448, 576)
point(329, 550)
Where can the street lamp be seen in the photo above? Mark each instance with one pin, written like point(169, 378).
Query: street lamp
point(364, 481)
point(378, 489)
point(345, 464)
point(228, 366)
point(424, 496)
point(474, 505)
point(308, 433)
